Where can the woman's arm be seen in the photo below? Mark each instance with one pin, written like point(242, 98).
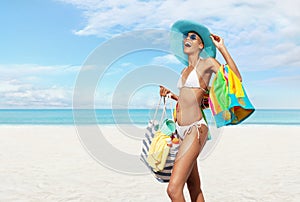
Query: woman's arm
point(219, 43)
point(164, 91)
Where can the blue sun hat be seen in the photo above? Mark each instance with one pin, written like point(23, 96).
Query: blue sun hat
point(181, 28)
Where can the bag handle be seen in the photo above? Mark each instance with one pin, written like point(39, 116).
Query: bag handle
point(156, 109)
point(165, 99)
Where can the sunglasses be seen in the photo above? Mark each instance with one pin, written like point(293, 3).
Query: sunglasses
point(192, 36)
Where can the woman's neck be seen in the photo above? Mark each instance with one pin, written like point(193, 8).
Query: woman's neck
point(193, 59)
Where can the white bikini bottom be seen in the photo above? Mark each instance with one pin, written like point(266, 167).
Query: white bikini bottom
point(183, 130)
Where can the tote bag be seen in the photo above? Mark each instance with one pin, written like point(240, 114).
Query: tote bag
point(154, 126)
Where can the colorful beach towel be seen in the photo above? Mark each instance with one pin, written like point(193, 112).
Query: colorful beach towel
point(228, 100)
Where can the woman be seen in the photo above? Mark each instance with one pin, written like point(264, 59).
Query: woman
point(199, 48)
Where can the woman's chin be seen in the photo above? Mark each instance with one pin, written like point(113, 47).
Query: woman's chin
point(186, 51)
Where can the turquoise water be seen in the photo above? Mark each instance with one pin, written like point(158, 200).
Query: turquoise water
point(124, 116)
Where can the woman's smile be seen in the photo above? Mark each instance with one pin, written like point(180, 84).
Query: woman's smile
point(187, 44)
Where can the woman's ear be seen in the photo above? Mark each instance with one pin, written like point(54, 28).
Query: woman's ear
point(201, 46)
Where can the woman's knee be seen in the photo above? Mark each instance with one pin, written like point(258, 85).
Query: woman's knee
point(174, 190)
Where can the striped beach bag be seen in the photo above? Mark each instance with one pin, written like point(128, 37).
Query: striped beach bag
point(153, 126)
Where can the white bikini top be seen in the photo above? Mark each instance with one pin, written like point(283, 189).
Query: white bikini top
point(192, 81)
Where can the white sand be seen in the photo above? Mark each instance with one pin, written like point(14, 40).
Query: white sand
point(49, 163)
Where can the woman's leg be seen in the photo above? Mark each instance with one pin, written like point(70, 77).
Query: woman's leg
point(194, 182)
point(184, 163)
point(194, 185)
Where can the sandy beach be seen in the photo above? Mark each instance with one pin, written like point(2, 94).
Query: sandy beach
point(49, 163)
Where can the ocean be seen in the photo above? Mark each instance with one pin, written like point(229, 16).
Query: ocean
point(124, 116)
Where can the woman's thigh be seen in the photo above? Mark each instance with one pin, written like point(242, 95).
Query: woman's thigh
point(187, 155)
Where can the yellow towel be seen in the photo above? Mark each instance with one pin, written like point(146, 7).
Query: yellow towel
point(235, 86)
point(158, 151)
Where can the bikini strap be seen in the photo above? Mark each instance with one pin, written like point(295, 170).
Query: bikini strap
point(197, 125)
point(197, 64)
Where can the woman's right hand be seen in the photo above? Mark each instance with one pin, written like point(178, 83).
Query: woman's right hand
point(163, 91)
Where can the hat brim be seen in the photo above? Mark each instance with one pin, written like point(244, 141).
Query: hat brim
point(181, 28)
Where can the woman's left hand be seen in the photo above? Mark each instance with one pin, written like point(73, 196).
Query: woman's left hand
point(217, 40)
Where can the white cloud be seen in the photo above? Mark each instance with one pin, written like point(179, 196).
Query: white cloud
point(36, 86)
point(290, 80)
point(166, 60)
point(104, 17)
point(143, 98)
point(254, 31)
point(16, 70)
point(17, 94)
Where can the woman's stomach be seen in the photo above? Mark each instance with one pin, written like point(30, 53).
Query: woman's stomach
point(188, 110)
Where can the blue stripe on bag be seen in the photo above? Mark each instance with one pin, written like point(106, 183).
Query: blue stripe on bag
point(163, 174)
point(146, 146)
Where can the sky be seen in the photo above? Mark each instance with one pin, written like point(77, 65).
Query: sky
point(46, 44)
